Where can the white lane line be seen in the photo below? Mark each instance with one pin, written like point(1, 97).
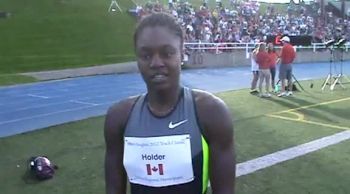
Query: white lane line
point(38, 96)
point(52, 113)
point(256, 164)
point(81, 102)
point(43, 115)
point(35, 106)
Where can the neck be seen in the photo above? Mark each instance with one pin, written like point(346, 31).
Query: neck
point(161, 102)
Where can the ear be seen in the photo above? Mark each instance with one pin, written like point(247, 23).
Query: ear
point(182, 52)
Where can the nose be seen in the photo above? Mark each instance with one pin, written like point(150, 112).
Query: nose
point(156, 61)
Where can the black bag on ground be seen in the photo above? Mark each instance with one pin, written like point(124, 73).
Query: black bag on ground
point(41, 167)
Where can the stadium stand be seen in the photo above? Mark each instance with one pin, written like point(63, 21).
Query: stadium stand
point(241, 22)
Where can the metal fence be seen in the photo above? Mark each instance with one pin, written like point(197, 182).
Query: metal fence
point(230, 46)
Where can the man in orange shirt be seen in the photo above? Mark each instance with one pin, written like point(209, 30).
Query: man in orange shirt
point(285, 71)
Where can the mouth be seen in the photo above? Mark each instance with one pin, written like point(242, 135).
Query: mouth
point(159, 77)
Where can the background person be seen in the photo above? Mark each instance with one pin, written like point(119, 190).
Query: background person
point(140, 131)
point(285, 71)
point(274, 59)
point(254, 69)
point(263, 59)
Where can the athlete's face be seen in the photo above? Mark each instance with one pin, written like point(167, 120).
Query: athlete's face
point(158, 54)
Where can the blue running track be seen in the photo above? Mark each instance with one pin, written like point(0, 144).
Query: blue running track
point(33, 106)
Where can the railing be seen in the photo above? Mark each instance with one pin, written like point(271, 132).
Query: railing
point(217, 47)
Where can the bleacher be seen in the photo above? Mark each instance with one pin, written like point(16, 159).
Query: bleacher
point(336, 8)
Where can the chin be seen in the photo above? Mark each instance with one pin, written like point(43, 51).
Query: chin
point(159, 85)
point(163, 86)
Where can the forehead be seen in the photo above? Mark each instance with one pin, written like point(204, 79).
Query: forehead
point(159, 36)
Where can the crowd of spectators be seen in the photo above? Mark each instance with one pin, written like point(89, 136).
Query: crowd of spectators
point(243, 22)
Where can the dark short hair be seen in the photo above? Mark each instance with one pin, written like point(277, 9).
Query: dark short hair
point(159, 19)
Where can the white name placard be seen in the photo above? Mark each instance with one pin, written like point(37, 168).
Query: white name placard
point(158, 161)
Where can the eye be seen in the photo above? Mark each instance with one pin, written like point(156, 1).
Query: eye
point(168, 53)
point(145, 56)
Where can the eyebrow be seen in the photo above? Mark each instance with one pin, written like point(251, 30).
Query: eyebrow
point(145, 48)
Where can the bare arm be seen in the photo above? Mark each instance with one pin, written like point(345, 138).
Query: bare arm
point(254, 54)
point(115, 175)
point(216, 120)
point(278, 60)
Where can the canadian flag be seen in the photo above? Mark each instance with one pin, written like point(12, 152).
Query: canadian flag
point(154, 169)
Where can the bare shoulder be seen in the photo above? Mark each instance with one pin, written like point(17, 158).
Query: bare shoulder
point(213, 114)
point(118, 115)
point(123, 105)
point(206, 99)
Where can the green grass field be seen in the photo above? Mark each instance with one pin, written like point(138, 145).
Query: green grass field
point(57, 34)
point(262, 126)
